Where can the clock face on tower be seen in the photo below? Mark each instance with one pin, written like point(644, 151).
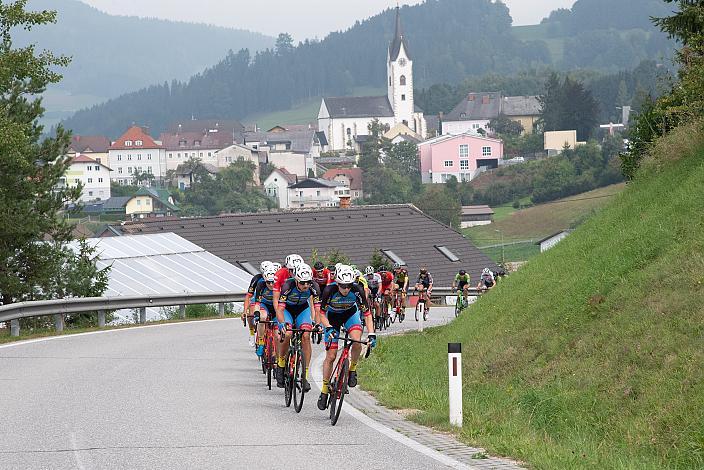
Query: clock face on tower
point(402, 62)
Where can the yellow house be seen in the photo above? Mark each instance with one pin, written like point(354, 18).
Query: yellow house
point(151, 202)
point(523, 109)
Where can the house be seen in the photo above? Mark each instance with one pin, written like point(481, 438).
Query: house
point(113, 206)
point(552, 240)
point(342, 119)
point(403, 233)
point(476, 110)
point(350, 177)
point(316, 192)
point(473, 216)
point(296, 150)
point(235, 152)
point(184, 173)
point(199, 139)
point(137, 152)
point(555, 142)
point(151, 202)
point(402, 133)
point(93, 175)
point(277, 183)
point(94, 146)
point(463, 156)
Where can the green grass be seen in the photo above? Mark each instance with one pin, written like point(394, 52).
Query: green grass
point(539, 32)
point(304, 112)
point(592, 355)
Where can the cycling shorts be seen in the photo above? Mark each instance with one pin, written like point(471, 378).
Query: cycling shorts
point(351, 321)
point(301, 321)
point(269, 310)
point(461, 285)
point(374, 291)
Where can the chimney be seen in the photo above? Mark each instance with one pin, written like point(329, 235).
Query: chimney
point(345, 202)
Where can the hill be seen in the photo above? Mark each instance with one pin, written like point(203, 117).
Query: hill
point(590, 356)
point(113, 55)
point(243, 84)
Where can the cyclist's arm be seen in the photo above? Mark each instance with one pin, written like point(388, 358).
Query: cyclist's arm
point(256, 298)
point(430, 283)
point(363, 299)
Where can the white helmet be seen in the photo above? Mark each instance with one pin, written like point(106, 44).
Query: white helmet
point(487, 271)
point(269, 275)
point(345, 275)
point(357, 273)
point(263, 267)
point(293, 260)
point(276, 266)
point(369, 270)
point(304, 273)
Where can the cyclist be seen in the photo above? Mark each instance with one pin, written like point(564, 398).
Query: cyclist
point(321, 275)
point(340, 305)
point(283, 274)
point(461, 282)
point(361, 280)
point(400, 282)
point(374, 283)
point(424, 285)
point(487, 280)
point(294, 311)
point(248, 310)
point(264, 305)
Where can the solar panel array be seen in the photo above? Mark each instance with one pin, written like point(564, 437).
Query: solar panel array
point(165, 264)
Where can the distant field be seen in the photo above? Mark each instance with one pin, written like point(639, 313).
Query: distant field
point(539, 32)
point(537, 222)
point(302, 113)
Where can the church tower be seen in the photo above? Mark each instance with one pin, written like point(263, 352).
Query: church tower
point(400, 78)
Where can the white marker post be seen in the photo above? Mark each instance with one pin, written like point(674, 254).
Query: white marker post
point(454, 361)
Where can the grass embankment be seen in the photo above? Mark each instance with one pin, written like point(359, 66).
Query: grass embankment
point(592, 356)
point(537, 222)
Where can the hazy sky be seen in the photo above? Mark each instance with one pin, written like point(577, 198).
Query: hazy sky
point(302, 18)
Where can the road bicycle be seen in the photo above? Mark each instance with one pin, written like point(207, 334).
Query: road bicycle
point(295, 370)
point(340, 376)
point(399, 311)
point(460, 303)
point(269, 358)
point(421, 307)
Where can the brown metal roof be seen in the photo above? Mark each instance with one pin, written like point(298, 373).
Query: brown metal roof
point(477, 210)
point(356, 231)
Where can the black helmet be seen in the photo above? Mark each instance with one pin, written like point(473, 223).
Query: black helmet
point(318, 265)
point(332, 268)
point(462, 272)
point(423, 270)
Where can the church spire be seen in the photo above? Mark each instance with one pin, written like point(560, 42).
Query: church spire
point(398, 40)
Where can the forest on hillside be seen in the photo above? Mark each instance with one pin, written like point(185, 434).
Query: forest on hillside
point(449, 40)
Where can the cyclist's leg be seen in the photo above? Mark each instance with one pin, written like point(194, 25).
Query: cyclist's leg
point(304, 322)
point(331, 353)
point(283, 346)
point(465, 289)
point(354, 327)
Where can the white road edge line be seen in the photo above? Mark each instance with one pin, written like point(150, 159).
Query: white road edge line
point(74, 447)
point(117, 330)
point(385, 430)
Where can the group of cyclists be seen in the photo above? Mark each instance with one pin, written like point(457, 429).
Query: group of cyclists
point(320, 299)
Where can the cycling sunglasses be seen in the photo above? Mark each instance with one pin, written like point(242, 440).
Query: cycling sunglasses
point(345, 286)
point(305, 283)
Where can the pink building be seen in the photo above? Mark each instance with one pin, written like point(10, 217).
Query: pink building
point(462, 156)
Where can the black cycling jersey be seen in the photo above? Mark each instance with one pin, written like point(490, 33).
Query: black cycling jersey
point(253, 283)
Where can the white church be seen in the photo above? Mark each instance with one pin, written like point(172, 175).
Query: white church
point(345, 119)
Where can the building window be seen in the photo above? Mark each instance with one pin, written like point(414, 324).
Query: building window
point(464, 164)
point(76, 180)
point(90, 180)
point(119, 171)
point(403, 80)
point(394, 257)
point(464, 151)
point(148, 202)
point(447, 253)
point(139, 156)
point(139, 202)
point(448, 164)
point(128, 143)
point(149, 156)
point(171, 155)
point(139, 142)
point(119, 158)
point(149, 170)
point(129, 170)
point(210, 154)
point(129, 158)
point(349, 131)
point(403, 97)
point(97, 160)
point(100, 180)
point(389, 81)
point(90, 193)
point(486, 151)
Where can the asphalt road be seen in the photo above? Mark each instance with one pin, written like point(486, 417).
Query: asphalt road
point(185, 395)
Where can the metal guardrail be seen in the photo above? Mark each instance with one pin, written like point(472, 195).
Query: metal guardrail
point(60, 307)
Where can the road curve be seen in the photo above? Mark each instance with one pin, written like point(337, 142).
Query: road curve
point(187, 395)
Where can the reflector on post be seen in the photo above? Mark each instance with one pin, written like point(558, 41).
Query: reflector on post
point(454, 362)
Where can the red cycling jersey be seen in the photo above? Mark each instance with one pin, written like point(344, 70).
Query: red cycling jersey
point(386, 279)
point(280, 278)
point(322, 277)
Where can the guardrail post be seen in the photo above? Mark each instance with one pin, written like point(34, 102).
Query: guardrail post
point(142, 315)
point(15, 328)
point(221, 310)
point(101, 318)
point(182, 312)
point(59, 322)
point(454, 361)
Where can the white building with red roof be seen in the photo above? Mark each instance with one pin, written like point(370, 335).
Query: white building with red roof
point(350, 177)
point(136, 152)
point(94, 176)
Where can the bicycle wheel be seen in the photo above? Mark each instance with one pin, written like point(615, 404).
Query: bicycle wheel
point(418, 308)
point(269, 361)
point(458, 307)
point(288, 381)
point(387, 307)
point(299, 373)
point(425, 313)
point(339, 393)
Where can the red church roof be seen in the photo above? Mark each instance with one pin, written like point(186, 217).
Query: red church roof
point(135, 134)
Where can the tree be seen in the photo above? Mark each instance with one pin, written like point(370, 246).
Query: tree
point(35, 262)
point(505, 126)
point(568, 105)
point(374, 147)
point(336, 256)
point(284, 44)
point(403, 158)
point(439, 203)
point(687, 24)
point(379, 261)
